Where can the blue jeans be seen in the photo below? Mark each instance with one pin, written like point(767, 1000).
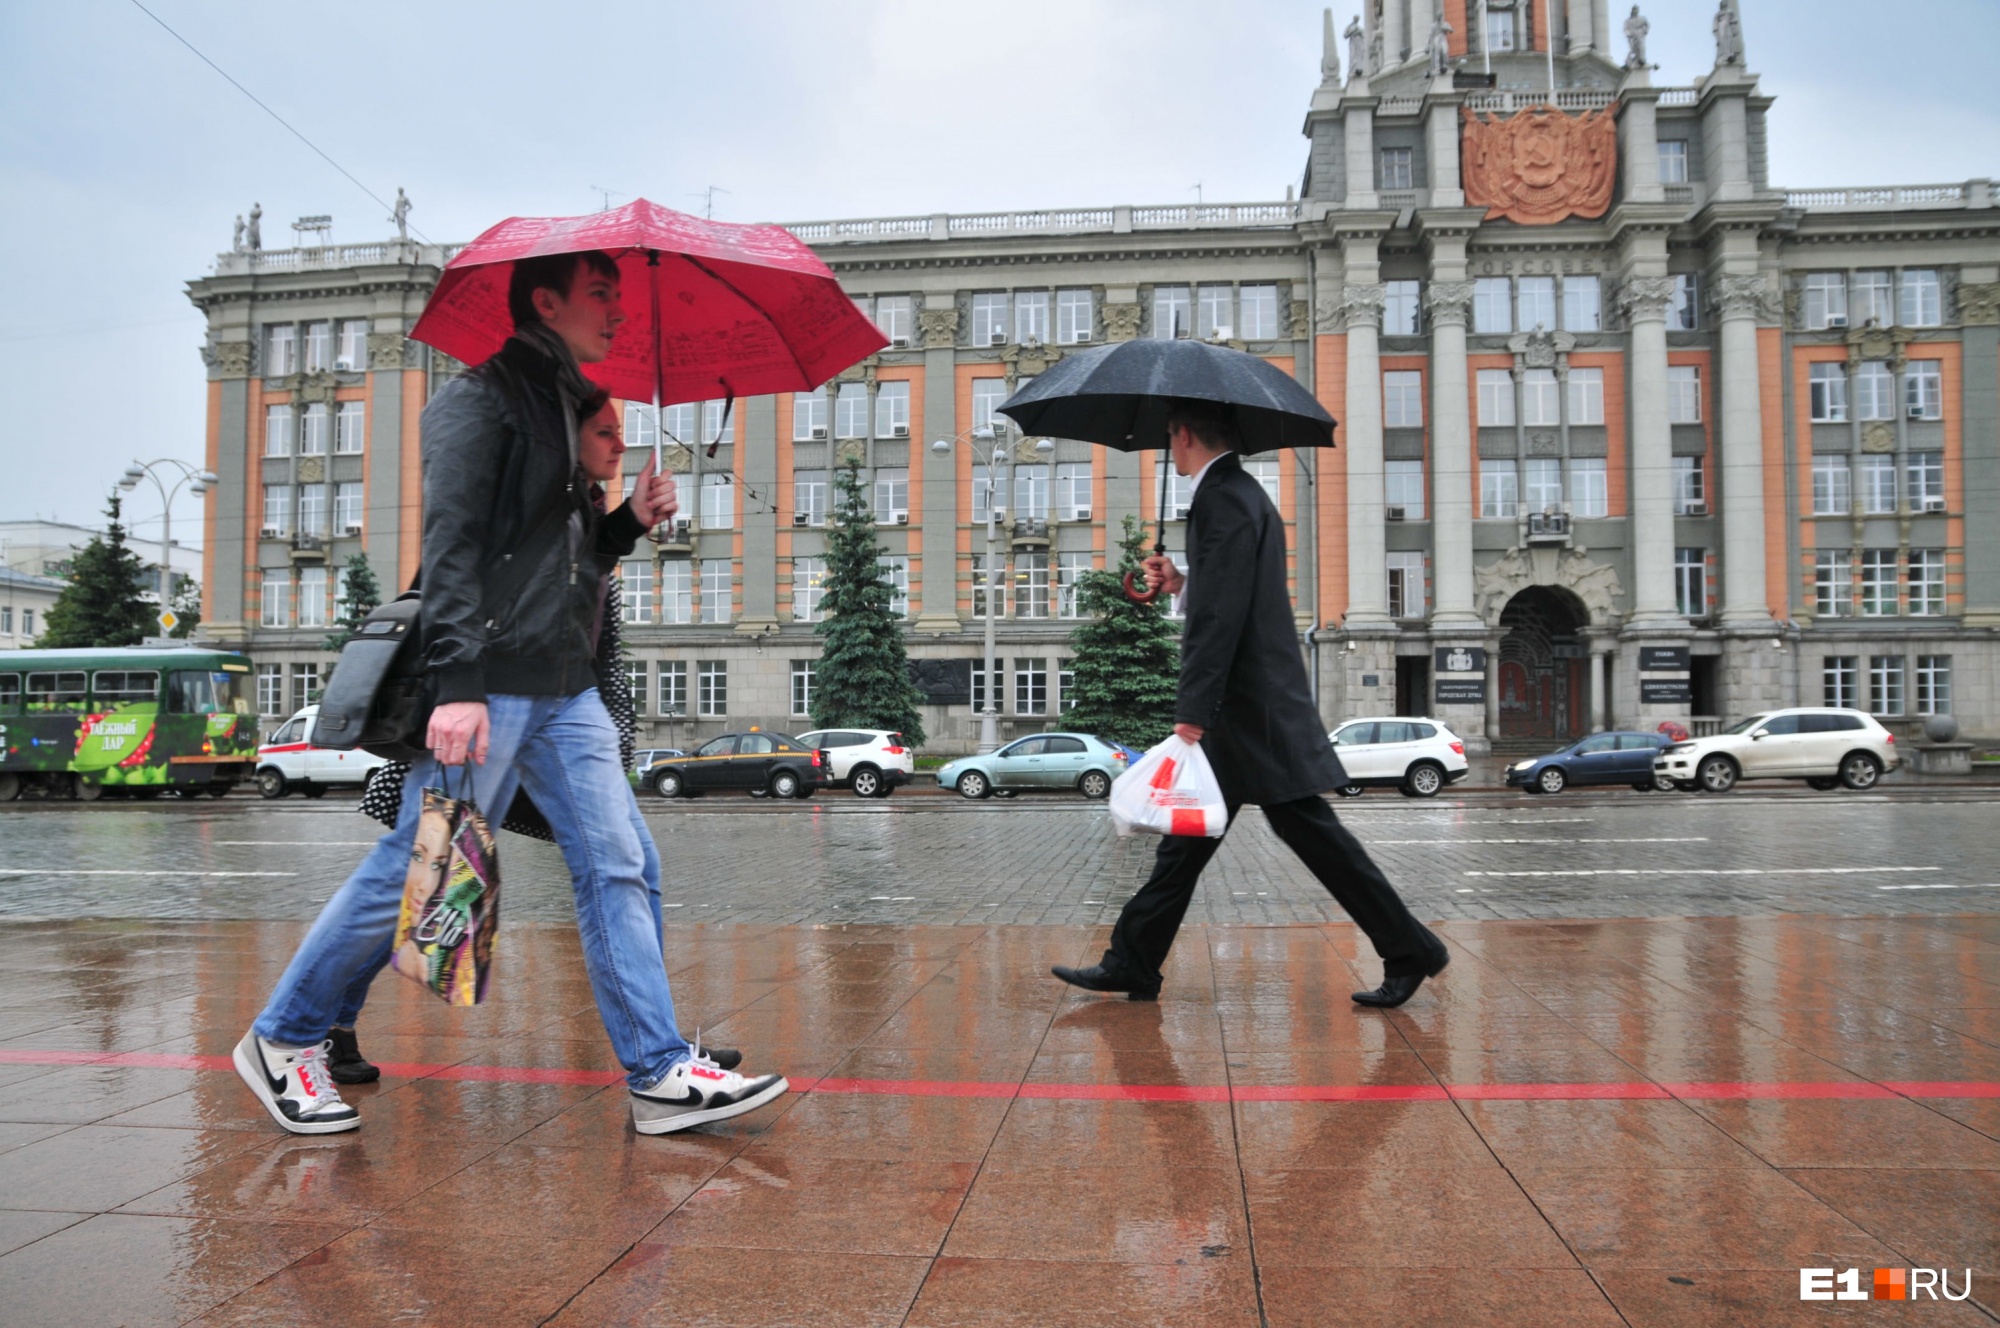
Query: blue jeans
point(564, 752)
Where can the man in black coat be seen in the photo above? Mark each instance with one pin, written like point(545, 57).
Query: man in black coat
point(1244, 697)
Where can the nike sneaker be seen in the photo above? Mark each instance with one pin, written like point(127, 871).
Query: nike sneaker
point(696, 1092)
point(294, 1085)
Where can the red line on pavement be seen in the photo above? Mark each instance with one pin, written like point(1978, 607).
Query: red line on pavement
point(1722, 1091)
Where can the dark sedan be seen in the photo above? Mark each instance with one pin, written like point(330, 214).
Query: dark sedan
point(755, 762)
point(1602, 758)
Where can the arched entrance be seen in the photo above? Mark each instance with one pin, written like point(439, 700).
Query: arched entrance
point(1544, 663)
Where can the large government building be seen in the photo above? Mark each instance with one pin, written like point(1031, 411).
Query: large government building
point(1627, 433)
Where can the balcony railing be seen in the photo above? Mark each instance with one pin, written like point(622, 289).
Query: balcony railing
point(1886, 198)
point(321, 258)
point(1046, 221)
point(1568, 99)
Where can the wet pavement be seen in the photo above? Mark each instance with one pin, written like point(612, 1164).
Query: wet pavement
point(1647, 1122)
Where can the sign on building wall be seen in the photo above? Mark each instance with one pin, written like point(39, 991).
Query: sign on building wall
point(1665, 691)
point(1663, 659)
point(1461, 659)
point(943, 681)
point(1461, 691)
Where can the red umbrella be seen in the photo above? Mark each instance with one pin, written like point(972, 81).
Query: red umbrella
point(712, 309)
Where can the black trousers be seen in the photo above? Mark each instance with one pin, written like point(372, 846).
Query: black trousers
point(1146, 928)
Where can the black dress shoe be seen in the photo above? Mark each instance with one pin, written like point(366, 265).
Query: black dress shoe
point(1099, 978)
point(1395, 990)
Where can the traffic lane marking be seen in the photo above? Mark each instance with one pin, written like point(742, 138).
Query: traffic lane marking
point(73, 871)
point(1708, 871)
point(1690, 839)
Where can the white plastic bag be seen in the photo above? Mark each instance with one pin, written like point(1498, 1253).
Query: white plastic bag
point(1170, 791)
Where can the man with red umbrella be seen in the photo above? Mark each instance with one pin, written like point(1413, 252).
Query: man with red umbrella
point(513, 554)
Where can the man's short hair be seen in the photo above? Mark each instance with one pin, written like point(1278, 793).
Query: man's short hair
point(1213, 422)
point(556, 272)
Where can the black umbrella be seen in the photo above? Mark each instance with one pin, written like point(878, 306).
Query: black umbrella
point(1118, 396)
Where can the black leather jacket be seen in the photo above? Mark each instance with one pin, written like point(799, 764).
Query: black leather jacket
point(505, 506)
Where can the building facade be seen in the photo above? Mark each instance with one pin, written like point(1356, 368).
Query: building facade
point(1626, 432)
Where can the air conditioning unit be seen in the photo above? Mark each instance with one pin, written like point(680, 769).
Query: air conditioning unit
point(902, 518)
point(1836, 320)
point(351, 528)
point(899, 343)
point(900, 431)
point(1695, 509)
point(799, 518)
point(1082, 514)
point(997, 339)
point(819, 434)
point(1934, 504)
point(1393, 513)
point(1917, 413)
point(270, 532)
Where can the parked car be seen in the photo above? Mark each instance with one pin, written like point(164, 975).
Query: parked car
point(1603, 758)
point(643, 762)
point(757, 761)
point(1417, 756)
point(872, 762)
point(1825, 747)
point(290, 761)
point(1077, 761)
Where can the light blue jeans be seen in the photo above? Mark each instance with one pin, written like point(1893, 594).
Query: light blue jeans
point(564, 752)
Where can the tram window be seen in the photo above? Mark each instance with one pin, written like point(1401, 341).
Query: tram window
point(49, 692)
point(10, 693)
point(191, 693)
point(124, 688)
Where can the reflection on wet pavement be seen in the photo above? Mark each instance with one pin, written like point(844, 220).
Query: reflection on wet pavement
point(1588, 1122)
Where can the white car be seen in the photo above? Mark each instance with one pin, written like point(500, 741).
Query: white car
point(1825, 747)
point(1417, 756)
point(290, 761)
point(872, 762)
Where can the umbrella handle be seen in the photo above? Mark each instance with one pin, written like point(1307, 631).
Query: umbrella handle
point(1139, 596)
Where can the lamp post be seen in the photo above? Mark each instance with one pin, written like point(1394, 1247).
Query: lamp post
point(989, 715)
point(195, 480)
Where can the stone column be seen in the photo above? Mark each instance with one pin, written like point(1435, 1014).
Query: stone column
point(1739, 299)
point(1600, 710)
point(1639, 138)
point(1725, 133)
point(1367, 541)
point(1979, 311)
point(1583, 33)
point(1446, 303)
point(1359, 124)
point(1441, 131)
point(1395, 34)
point(937, 592)
point(1644, 302)
point(1492, 690)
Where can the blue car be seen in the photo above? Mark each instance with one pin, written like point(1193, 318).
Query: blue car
point(1603, 758)
point(1079, 761)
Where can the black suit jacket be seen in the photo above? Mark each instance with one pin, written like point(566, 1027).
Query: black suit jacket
point(1243, 676)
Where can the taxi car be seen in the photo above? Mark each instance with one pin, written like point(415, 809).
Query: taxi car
point(757, 761)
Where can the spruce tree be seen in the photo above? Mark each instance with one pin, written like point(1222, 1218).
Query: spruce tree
point(863, 677)
point(360, 596)
point(1126, 656)
point(187, 607)
point(104, 604)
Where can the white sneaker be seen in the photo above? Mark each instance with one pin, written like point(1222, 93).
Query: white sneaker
point(695, 1092)
point(294, 1086)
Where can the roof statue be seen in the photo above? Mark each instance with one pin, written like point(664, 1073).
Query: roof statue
point(255, 234)
point(1329, 50)
point(401, 214)
point(1440, 47)
point(1375, 64)
point(1357, 49)
point(1636, 28)
point(236, 236)
point(1728, 35)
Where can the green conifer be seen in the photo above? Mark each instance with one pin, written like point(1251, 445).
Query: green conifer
point(187, 607)
point(1126, 656)
point(104, 604)
point(863, 677)
point(360, 596)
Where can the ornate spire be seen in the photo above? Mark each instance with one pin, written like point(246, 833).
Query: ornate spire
point(1329, 57)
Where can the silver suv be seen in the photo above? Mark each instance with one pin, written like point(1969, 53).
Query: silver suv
point(1826, 748)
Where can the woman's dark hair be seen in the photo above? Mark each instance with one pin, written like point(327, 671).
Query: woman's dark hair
point(591, 404)
point(1213, 422)
point(556, 272)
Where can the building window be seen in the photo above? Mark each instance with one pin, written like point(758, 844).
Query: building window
point(271, 689)
point(1031, 686)
point(1878, 485)
point(1923, 389)
point(892, 496)
point(1401, 309)
point(711, 678)
point(277, 431)
point(808, 417)
point(27, 622)
point(1499, 489)
point(6, 623)
point(896, 572)
point(1535, 301)
point(277, 598)
point(1065, 685)
point(1172, 315)
point(277, 510)
point(1878, 583)
point(1826, 300)
point(1885, 684)
point(1073, 317)
point(1541, 398)
point(1496, 399)
point(808, 588)
point(1926, 583)
point(1072, 498)
point(673, 687)
point(893, 315)
point(1925, 476)
point(1541, 484)
point(312, 430)
point(312, 597)
point(850, 411)
point(1690, 486)
point(642, 424)
point(312, 510)
point(682, 423)
point(1673, 161)
point(350, 428)
point(1264, 470)
point(347, 508)
point(1684, 311)
point(677, 592)
point(1833, 591)
point(1070, 568)
point(1492, 305)
point(979, 587)
point(319, 347)
point(1589, 492)
point(1691, 582)
point(1831, 487)
point(1403, 489)
point(1583, 304)
point(1257, 313)
point(638, 683)
point(979, 686)
point(1398, 170)
point(1934, 684)
point(1405, 571)
point(281, 350)
point(1031, 316)
point(637, 576)
point(352, 356)
point(1874, 391)
point(718, 500)
point(1403, 399)
point(982, 490)
point(1839, 676)
point(715, 590)
point(1216, 309)
point(1923, 304)
point(1683, 394)
point(1031, 585)
point(1827, 386)
point(1180, 494)
point(802, 687)
point(1031, 493)
point(987, 394)
point(892, 410)
point(1873, 299)
point(809, 498)
point(989, 318)
point(1586, 396)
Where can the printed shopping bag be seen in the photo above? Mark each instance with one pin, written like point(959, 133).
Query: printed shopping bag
point(451, 901)
point(1171, 790)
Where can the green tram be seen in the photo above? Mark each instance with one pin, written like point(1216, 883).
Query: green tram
point(133, 720)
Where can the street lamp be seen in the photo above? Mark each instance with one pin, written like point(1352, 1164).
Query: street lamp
point(989, 716)
point(195, 480)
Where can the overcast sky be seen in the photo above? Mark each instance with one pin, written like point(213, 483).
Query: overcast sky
point(123, 159)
